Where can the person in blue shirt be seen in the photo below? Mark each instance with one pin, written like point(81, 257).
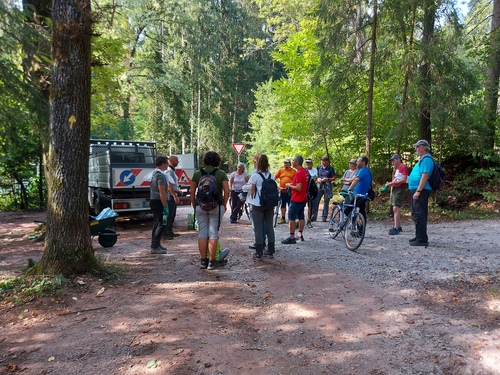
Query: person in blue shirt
point(420, 191)
point(361, 184)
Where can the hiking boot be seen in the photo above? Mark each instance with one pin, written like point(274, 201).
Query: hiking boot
point(412, 239)
point(393, 231)
point(268, 255)
point(419, 243)
point(270, 251)
point(400, 229)
point(309, 225)
point(172, 234)
point(288, 241)
point(158, 250)
point(323, 219)
point(256, 256)
point(203, 263)
point(168, 237)
point(253, 246)
point(282, 221)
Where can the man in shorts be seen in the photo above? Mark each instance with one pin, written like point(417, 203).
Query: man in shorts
point(399, 186)
point(284, 176)
point(298, 200)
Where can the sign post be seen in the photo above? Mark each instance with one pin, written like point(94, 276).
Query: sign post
point(238, 147)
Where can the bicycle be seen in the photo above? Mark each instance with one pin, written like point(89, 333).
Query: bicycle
point(244, 207)
point(352, 226)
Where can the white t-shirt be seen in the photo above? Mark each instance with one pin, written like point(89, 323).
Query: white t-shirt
point(313, 172)
point(257, 180)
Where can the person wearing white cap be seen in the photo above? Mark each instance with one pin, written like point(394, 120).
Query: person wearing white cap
point(398, 190)
point(313, 175)
point(349, 174)
point(420, 191)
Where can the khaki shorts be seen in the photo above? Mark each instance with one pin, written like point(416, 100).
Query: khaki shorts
point(397, 196)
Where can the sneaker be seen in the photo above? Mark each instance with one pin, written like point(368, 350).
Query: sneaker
point(158, 250)
point(281, 221)
point(212, 264)
point(324, 219)
point(269, 255)
point(309, 225)
point(394, 231)
point(256, 256)
point(419, 243)
point(301, 238)
point(400, 229)
point(173, 235)
point(413, 239)
point(204, 263)
point(288, 241)
point(253, 246)
point(168, 237)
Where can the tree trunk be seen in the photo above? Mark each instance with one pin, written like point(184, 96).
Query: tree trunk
point(68, 247)
point(424, 128)
point(493, 78)
point(405, 85)
point(369, 125)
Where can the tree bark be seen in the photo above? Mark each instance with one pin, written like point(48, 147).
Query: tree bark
point(68, 247)
point(424, 129)
point(493, 79)
point(371, 80)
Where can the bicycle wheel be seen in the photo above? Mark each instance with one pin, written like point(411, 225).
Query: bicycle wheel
point(277, 212)
point(334, 227)
point(354, 231)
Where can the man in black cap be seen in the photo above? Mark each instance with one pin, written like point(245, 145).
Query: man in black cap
point(398, 186)
point(420, 191)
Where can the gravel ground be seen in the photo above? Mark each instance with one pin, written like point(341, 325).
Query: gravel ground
point(317, 308)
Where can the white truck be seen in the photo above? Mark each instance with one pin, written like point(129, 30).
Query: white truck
point(116, 174)
point(117, 170)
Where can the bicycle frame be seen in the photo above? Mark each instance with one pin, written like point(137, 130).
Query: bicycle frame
point(352, 226)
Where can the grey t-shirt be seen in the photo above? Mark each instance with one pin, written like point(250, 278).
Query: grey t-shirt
point(158, 179)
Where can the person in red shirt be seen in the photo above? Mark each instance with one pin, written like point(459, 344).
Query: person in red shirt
point(399, 186)
point(298, 201)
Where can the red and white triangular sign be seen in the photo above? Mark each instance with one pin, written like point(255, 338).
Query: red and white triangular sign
point(238, 147)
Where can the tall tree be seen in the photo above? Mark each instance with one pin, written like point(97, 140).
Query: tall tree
point(493, 78)
point(424, 115)
point(68, 246)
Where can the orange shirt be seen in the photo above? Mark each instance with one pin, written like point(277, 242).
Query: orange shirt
point(285, 175)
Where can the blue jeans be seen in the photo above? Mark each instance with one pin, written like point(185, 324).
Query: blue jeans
point(420, 213)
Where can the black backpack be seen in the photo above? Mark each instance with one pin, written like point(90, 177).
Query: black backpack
point(312, 189)
point(269, 196)
point(207, 194)
point(437, 179)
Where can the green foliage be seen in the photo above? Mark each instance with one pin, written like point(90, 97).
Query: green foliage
point(21, 289)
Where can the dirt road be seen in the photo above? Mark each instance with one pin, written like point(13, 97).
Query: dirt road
point(316, 308)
